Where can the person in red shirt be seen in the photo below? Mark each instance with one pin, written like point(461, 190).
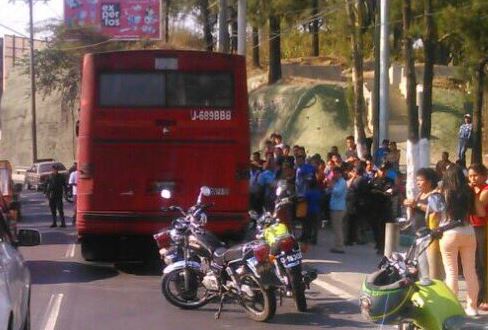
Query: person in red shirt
point(477, 175)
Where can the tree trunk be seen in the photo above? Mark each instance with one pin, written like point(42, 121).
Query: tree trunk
point(315, 28)
point(223, 27)
point(207, 30)
point(476, 154)
point(413, 116)
point(274, 73)
point(355, 17)
point(429, 54)
point(255, 47)
point(164, 23)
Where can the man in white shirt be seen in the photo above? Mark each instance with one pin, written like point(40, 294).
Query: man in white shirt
point(72, 181)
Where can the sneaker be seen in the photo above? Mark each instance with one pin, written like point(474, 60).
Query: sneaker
point(53, 225)
point(471, 311)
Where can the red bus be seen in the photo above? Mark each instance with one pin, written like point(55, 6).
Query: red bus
point(153, 120)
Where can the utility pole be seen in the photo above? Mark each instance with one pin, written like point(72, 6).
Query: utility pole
point(376, 84)
point(33, 83)
point(384, 67)
point(223, 28)
point(241, 27)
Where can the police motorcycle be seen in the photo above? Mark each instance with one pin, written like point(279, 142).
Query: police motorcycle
point(397, 293)
point(209, 271)
point(285, 249)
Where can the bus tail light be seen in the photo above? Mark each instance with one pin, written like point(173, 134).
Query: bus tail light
point(86, 171)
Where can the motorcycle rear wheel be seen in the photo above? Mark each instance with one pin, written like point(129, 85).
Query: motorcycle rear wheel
point(262, 306)
point(173, 289)
point(298, 287)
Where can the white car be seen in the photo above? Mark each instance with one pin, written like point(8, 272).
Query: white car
point(15, 279)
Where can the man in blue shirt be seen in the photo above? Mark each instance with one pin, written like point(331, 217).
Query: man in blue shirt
point(464, 137)
point(337, 204)
point(380, 154)
point(266, 183)
point(304, 175)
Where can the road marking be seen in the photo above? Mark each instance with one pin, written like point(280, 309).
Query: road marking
point(70, 253)
point(334, 290)
point(52, 311)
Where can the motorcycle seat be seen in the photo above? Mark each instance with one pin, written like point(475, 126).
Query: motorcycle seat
point(466, 323)
point(223, 255)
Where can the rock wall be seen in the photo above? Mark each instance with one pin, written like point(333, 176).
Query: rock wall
point(55, 125)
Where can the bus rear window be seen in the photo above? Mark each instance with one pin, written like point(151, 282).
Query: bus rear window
point(166, 89)
point(132, 89)
point(200, 90)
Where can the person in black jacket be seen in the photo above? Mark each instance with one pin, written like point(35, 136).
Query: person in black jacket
point(380, 207)
point(54, 192)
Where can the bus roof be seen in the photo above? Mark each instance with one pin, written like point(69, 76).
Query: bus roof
point(166, 52)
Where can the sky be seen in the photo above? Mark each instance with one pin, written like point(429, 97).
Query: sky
point(16, 15)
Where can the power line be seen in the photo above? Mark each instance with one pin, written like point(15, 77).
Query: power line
point(14, 31)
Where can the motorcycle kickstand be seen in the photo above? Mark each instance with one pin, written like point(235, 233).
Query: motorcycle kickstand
point(221, 306)
point(281, 298)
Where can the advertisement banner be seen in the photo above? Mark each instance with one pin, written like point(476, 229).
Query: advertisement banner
point(119, 19)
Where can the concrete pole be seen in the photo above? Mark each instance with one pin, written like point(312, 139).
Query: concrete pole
point(392, 238)
point(241, 27)
point(223, 28)
point(384, 114)
point(33, 83)
point(376, 84)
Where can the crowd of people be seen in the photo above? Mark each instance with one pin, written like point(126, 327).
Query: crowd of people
point(353, 194)
point(361, 195)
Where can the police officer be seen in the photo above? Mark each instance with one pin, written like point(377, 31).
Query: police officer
point(54, 192)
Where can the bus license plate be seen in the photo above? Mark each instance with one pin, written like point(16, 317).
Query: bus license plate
point(211, 115)
point(291, 260)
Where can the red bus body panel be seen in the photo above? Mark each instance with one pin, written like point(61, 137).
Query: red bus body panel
point(124, 153)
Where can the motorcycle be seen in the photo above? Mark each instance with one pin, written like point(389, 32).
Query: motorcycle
point(285, 249)
point(209, 271)
point(397, 294)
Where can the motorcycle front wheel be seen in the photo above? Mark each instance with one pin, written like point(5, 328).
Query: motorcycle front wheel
point(189, 294)
point(297, 287)
point(258, 302)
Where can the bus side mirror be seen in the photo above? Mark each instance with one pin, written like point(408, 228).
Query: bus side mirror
point(28, 237)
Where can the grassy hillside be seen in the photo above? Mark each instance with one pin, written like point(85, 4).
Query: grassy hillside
point(448, 111)
point(308, 114)
point(316, 115)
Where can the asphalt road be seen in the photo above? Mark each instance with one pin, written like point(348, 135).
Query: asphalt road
point(69, 293)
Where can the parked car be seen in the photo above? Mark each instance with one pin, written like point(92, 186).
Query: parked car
point(15, 279)
point(9, 192)
point(36, 177)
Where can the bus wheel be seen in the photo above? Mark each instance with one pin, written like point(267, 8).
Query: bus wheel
point(101, 249)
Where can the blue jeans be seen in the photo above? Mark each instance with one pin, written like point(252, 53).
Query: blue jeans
point(462, 147)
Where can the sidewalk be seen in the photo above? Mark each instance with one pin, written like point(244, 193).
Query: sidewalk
point(342, 274)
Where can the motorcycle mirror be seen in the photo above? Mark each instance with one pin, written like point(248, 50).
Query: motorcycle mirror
point(253, 215)
point(166, 193)
point(205, 191)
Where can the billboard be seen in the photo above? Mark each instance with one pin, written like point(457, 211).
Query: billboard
point(119, 19)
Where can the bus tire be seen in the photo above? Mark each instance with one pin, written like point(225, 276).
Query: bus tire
point(97, 249)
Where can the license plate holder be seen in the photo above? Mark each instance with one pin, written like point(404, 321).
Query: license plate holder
point(291, 259)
